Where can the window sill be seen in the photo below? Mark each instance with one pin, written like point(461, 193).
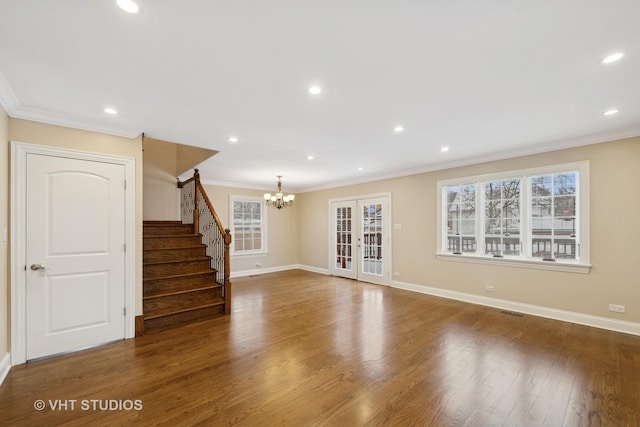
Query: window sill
point(568, 267)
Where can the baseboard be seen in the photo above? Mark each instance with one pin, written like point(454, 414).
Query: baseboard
point(535, 310)
point(312, 269)
point(256, 271)
point(5, 365)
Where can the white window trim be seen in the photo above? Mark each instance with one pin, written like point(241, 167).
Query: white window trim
point(581, 266)
point(252, 253)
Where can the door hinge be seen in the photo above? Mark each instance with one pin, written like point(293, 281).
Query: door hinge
point(124, 247)
point(125, 311)
point(125, 184)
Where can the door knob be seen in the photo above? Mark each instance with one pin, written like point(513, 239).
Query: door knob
point(41, 267)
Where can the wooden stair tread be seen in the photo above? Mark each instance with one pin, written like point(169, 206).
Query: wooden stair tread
point(182, 291)
point(166, 236)
point(175, 276)
point(174, 261)
point(183, 310)
point(158, 222)
point(172, 248)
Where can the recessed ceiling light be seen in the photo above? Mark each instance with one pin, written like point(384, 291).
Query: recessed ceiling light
point(233, 139)
point(110, 111)
point(128, 6)
point(613, 58)
point(444, 149)
point(315, 90)
point(310, 157)
point(360, 168)
point(398, 129)
point(610, 112)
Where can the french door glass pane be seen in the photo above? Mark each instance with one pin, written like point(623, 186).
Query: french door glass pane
point(343, 253)
point(372, 239)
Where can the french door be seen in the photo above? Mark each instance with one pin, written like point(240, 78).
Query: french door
point(360, 239)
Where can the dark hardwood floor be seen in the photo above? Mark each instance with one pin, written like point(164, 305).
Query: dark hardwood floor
point(303, 349)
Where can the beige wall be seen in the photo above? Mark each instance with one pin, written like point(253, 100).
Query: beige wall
point(282, 230)
point(615, 203)
point(163, 162)
point(4, 224)
point(160, 200)
point(58, 136)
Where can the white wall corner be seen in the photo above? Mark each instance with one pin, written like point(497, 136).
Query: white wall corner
point(535, 310)
point(5, 365)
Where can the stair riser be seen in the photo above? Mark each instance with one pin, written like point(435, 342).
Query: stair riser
point(181, 301)
point(162, 230)
point(167, 322)
point(173, 254)
point(154, 287)
point(175, 268)
point(170, 242)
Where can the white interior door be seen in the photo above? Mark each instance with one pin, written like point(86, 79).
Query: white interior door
point(360, 239)
point(75, 254)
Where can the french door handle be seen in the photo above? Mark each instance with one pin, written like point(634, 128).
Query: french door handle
point(39, 267)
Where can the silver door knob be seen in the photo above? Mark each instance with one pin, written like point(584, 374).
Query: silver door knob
point(41, 267)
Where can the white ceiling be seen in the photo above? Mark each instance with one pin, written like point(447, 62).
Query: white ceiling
point(487, 78)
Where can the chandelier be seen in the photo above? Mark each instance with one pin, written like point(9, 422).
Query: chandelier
point(279, 200)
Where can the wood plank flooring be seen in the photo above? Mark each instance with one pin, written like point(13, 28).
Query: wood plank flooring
point(303, 349)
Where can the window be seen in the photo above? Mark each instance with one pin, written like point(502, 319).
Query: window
point(501, 205)
point(249, 225)
point(553, 216)
point(461, 218)
point(533, 218)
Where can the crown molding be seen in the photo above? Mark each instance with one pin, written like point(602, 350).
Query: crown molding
point(246, 186)
point(42, 116)
point(598, 138)
point(14, 109)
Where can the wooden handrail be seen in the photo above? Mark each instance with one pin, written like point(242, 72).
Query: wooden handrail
point(210, 206)
point(183, 183)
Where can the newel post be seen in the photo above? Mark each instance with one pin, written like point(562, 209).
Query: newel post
point(196, 203)
point(227, 270)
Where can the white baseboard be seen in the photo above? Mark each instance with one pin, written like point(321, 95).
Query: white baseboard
point(312, 269)
point(535, 310)
point(5, 365)
point(256, 271)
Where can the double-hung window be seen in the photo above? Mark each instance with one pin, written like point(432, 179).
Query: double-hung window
point(531, 218)
point(249, 225)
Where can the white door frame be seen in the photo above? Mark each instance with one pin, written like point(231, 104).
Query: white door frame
point(387, 226)
point(19, 152)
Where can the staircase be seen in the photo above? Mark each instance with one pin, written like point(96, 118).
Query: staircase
point(179, 285)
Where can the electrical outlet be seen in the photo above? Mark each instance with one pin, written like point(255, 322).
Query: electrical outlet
point(489, 288)
point(616, 308)
point(258, 265)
